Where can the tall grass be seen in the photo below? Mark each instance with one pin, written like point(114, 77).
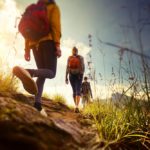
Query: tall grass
point(8, 84)
point(56, 97)
point(46, 95)
point(114, 123)
point(59, 98)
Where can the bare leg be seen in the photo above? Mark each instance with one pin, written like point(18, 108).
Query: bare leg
point(74, 98)
point(77, 100)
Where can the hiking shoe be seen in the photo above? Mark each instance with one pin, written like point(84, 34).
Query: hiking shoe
point(28, 83)
point(76, 110)
point(43, 112)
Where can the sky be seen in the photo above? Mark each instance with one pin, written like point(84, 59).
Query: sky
point(114, 21)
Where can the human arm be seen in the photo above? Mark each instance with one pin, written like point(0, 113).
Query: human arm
point(67, 72)
point(90, 91)
point(58, 51)
point(56, 28)
point(27, 50)
point(82, 89)
point(82, 65)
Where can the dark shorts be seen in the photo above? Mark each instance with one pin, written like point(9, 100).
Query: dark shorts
point(76, 82)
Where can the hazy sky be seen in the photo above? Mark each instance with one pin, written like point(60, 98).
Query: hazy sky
point(115, 21)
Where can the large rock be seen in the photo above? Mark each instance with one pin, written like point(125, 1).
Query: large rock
point(23, 128)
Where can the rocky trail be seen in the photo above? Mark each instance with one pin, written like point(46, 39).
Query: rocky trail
point(24, 128)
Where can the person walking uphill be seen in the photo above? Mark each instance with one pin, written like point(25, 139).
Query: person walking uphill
point(41, 28)
point(75, 69)
point(86, 92)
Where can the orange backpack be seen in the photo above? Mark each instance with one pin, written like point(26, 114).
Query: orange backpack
point(74, 64)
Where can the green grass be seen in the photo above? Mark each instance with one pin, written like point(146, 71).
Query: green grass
point(46, 95)
point(8, 84)
point(56, 97)
point(114, 123)
point(59, 98)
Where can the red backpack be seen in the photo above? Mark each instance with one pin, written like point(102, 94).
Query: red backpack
point(74, 64)
point(34, 22)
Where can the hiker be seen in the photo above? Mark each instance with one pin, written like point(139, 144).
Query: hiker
point(45, 47)
point(75, 68)
point(86, 92)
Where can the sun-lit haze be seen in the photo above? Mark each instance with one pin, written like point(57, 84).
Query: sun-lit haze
point(104, 20)
point(12, 49)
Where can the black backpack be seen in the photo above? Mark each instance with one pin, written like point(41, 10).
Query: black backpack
point(85, 87)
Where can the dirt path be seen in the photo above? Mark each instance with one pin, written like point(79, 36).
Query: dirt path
point(80, 127)
point(21, 126)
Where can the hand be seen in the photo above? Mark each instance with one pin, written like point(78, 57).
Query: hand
point(58, 51)
point(27, 56)
point(66, 81)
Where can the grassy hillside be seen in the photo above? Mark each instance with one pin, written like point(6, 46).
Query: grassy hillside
point(117, 125)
